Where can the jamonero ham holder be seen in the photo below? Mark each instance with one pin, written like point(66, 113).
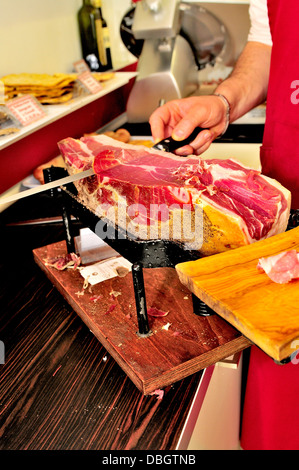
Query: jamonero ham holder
point(150, 359)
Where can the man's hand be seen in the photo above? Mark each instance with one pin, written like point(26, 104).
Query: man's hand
point(178, 118)
point(244, 89)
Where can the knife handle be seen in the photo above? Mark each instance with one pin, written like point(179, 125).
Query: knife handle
point(170, 145)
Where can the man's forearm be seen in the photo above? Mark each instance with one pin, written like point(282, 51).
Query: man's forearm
point(247, 85)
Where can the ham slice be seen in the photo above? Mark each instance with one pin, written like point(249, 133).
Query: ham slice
point(281, 268)
point(152, 192)
point(71, 260)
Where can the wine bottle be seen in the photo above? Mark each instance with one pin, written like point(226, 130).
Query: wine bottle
point(94, 35)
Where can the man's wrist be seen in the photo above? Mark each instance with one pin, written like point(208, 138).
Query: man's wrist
point(228, 110)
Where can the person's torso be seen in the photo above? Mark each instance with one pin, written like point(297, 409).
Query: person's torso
point(280, 150)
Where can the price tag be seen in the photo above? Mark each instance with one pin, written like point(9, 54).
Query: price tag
point(2, 93)
point(106, 269)
point(81, 66)
point(89, 82)
point(26, 109)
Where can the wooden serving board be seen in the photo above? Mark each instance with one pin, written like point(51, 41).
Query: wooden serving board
point(181, 343)
point(267, 313)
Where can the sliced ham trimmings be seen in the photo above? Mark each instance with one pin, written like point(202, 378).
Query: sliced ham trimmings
point(281, 268)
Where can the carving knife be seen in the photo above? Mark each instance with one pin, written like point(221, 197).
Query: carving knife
point(47, 186)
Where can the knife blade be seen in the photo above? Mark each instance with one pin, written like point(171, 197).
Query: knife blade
point(47, 186)
point(167, 145)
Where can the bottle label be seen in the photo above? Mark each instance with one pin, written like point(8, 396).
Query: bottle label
point(101, 34)
point(106, 37)
point(96, 3)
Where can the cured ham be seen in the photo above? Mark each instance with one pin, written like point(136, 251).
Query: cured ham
point(156, 194)
point(281, 268)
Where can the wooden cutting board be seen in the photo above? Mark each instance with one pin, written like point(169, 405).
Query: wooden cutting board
point(180, 344)
point(265, 312)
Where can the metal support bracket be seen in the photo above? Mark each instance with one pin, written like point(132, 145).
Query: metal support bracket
point(138, 282)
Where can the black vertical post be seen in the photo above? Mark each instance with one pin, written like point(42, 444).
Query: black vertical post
point(66, 218)
point(140, 300)
point(49, 175)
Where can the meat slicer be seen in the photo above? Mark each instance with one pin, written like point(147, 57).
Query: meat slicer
point(173, 41)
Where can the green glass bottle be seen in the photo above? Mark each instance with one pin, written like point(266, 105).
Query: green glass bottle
point(94, 35)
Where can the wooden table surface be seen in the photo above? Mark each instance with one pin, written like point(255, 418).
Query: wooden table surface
point(59, 388)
